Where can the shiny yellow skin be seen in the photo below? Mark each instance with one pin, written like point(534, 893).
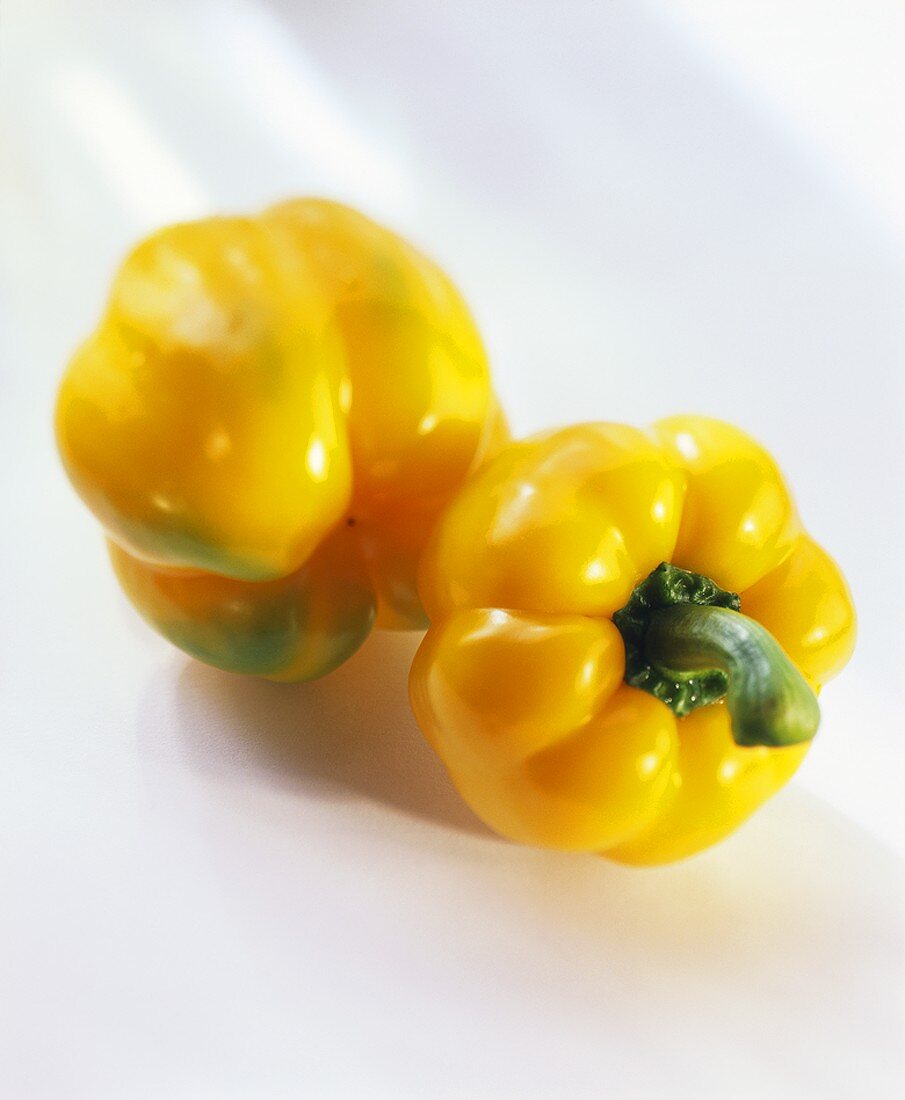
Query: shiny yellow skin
point(518, 684)
point(267, 421)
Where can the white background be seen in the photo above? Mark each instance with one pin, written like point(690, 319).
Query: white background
point(220, 888)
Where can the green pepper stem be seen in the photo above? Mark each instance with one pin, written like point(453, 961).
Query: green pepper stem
point(769, 700)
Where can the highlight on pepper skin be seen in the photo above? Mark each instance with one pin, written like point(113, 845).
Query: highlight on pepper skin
point(267, 421)
point(628, 629)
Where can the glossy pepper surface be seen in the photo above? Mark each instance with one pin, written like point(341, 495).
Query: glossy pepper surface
point(626, 628)
point(267, 421)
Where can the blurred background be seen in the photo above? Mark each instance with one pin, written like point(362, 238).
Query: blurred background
point(222, 889)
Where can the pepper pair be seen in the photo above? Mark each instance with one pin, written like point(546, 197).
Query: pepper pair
point(286, 425)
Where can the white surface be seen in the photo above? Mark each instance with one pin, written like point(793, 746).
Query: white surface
point(215, 888)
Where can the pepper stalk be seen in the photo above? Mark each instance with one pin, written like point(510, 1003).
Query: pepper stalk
point(688, 644)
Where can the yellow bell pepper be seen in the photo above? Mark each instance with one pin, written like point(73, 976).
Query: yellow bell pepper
point(267, 421)
point(588, 678)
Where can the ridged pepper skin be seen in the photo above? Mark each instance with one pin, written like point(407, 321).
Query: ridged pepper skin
point(519, 683)
point(267, 421)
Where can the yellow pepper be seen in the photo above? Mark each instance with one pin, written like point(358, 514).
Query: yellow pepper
point(588, 678)
point(267, 421)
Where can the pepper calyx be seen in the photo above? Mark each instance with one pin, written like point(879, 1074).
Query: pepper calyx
point(670, 586)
